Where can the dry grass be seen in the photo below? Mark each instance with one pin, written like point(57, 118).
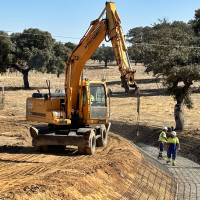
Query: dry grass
point(156, 107)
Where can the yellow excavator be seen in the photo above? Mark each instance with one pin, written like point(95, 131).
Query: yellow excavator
point(79, 117)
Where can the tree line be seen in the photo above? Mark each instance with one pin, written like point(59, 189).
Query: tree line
point(37, 50)
point(32, 49)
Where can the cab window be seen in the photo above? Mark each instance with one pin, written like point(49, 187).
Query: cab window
point(97, 95)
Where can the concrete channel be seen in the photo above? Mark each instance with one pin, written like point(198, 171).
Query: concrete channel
point(186, 173)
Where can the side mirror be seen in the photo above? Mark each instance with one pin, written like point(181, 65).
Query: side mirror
point(109, 92)
point(46, 97)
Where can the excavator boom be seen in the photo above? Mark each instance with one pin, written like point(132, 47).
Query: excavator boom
point(99, 29)
point(76, 62)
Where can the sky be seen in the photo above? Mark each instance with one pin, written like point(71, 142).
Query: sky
point(68, 20)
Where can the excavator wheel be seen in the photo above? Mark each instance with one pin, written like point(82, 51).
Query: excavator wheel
point(41, 148)
point(38, 149)
point(102, 141)
point(45, 148)
point(56, 148)
point(90, 149)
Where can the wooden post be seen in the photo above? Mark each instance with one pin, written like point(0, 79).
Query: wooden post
point(2, 99)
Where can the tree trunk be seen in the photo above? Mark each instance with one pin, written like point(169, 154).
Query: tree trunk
point(106, 63)
point(25, 78)
point(178, 115)
point(25, 74)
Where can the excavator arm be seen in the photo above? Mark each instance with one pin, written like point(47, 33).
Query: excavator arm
point(116, 36)
point(97, 32)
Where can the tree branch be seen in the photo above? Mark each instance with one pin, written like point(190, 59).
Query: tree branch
point(16, 67)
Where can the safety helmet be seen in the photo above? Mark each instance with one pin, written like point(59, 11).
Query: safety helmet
point(173, 133)
point(165, 128)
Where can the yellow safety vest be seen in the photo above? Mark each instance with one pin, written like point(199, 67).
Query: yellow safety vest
point(161, 137)
point(174, 140)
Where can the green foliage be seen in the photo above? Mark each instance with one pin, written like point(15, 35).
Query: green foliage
point(105, 54)
point(6, 49)
point(57, 62)
point(179, 80)
point(70, 45)
point(196, 22)
point(33, 49)
point(167, 50)
point(135, 53)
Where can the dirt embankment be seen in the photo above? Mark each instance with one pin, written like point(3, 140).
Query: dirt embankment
point(116, 171)
point(189, 139)
point(108, 174)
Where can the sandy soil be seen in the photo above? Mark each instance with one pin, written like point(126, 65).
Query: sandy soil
point(112, 170)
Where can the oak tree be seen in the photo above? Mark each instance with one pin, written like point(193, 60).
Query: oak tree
point(171, 51)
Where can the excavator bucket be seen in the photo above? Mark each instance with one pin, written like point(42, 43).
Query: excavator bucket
point(128, 82)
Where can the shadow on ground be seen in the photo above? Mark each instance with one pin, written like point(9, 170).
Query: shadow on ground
point(31, 150)
point(147, 134)
point(22, 88)
point(190, 146)
point(143, 92)
point(139, 81)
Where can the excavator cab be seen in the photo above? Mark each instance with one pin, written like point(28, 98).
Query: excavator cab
point(94, 105)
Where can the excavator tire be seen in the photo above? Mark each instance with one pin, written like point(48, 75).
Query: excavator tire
point(45, 148)
point(90, 149)
point(56, 148)
point(102, 141)
point(38, 149)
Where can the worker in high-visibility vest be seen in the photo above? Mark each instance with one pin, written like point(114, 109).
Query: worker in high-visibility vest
point(162, 139)
point(91, 99)
point(173, 146)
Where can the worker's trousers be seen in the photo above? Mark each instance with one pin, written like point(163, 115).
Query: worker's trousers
point(171, 152)
point(161, 146)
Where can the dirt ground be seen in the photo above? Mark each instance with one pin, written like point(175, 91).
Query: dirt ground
point(110, 172)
